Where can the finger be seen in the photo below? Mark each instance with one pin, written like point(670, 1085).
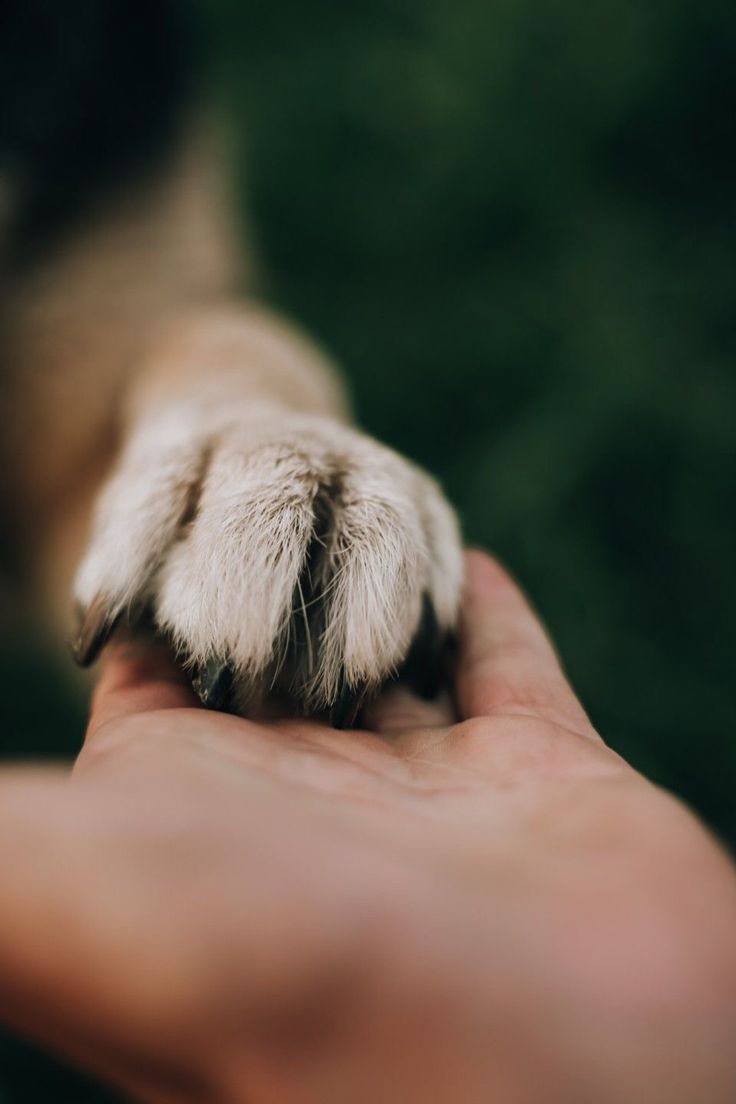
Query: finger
point(397, 710)
point(507, 664)
point(137, 677)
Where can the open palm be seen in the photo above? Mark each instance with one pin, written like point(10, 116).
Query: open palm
point(466, 901)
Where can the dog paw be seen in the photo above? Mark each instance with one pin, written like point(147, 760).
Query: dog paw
point(276, 550)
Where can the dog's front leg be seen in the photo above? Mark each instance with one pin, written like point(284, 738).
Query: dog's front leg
point(265, 536)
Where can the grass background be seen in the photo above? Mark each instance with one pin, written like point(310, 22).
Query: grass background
point(515, 225)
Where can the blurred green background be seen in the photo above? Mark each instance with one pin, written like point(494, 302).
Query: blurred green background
point(514, 223)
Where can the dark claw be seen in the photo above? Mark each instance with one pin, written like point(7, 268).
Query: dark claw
point(213, 683)
point(346, 707)
point(424, 667)
point(95, 629)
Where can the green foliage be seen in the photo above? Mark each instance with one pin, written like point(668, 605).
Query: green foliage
point(515, 224)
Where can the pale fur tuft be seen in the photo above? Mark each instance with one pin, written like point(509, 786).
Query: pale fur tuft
point(248, 527)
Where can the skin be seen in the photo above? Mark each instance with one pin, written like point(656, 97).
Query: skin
point(476, 901)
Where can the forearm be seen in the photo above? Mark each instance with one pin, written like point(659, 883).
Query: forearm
point(199, 370)
point(233, 353)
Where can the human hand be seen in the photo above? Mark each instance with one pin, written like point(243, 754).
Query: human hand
point(489, 908)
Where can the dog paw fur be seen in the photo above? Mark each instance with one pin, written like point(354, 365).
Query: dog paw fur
point(275, 550)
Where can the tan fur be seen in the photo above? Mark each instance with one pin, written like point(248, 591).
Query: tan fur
point(227, 434)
